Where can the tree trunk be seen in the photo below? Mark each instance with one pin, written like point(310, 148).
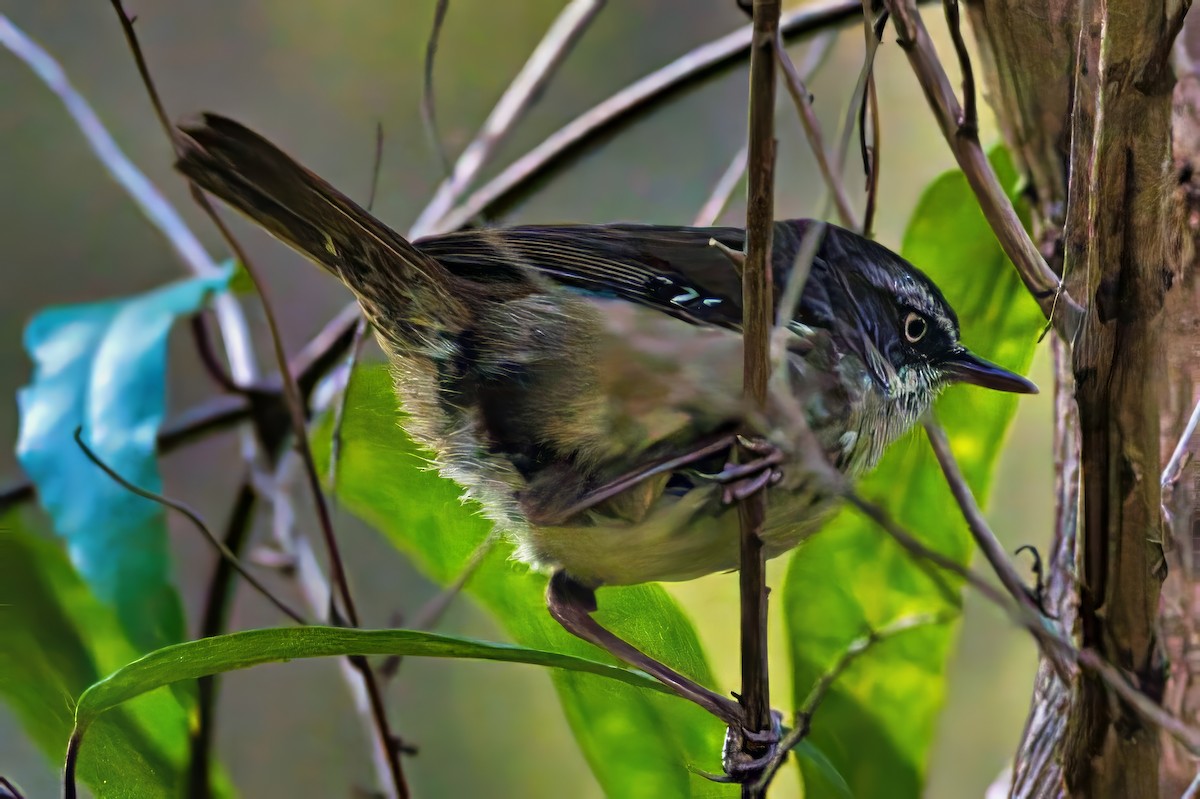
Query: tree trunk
point(1083, 91)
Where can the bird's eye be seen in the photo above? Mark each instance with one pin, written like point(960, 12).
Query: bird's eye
point(915, 327)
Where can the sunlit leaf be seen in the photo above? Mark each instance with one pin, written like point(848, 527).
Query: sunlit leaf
point(639, 743)
point(101, 367)
point(851, 577)
point(57, 640)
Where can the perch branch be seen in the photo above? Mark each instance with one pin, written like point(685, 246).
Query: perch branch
point(757, 323)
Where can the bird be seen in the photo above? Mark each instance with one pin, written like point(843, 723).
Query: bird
point(583, 383)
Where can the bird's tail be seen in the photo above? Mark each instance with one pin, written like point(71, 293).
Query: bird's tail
point(406, 293)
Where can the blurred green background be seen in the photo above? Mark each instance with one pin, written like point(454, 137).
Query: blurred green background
point(317, 77)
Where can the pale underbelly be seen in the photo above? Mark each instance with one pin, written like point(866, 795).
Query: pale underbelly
point(681, 539)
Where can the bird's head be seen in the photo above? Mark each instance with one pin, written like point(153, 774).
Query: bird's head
point(895, 318)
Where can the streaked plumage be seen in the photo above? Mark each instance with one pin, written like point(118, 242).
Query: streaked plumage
point(541, 363)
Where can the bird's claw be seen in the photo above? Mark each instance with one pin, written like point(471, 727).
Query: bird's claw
point(741, 480)
point(742, 766)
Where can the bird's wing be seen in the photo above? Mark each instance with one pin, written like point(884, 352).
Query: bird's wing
point(672, 269)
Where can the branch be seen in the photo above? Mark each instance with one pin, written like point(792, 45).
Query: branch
point(820, 690)
point(1061, 311)
point(757, 322)
point(560, 148)
point(1174, 467)
point(428, 102)
point(985, 539)
point(145, 194)
point(520, 95)
point(1052, 642)
point(198, 522)
point(718, 198)
point(812, 131)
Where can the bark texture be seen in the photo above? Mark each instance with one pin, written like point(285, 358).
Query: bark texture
point(1083, 91)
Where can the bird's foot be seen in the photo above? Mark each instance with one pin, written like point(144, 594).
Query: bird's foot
point(747, 754)
point(741, 480)
point(572, 605)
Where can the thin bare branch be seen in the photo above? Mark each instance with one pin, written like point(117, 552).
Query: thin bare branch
point(12, 792)
point(873, 33)
point(428, 100)
point(968, 124)
point(339, 405)
point(801, 98)
point(521, 94)
point(857, 648)
point(194, 517)
point(144, 193)
point(869, 112)
point(1062, 311)
point(1175, 464)
point(711, 211)
point(985, 539)
point(376, 166)
point(553, 154)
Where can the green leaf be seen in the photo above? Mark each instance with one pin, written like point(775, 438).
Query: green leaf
point(808, 752)
point(851, 577)
point(241, 650)
point(639, 743)
point(57, 640)
point(101, 367)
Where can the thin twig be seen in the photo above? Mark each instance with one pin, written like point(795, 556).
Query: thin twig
point(520, 95)
point(149, 200)
point(723, 189)
point(208, 357)
point(870, 113)
point(801, 98)
point(756, 324)
point(622, 108)
point(339, 405)
point(968, 125)
point(1193, 790)
point(376, 166)
point(873, 36)
point(430, 614)
point(314, 586)
point(213, 621)
point(13, 793)
point(196, 520)
point(428, 101)
point(1050, 638)
point(857, 648)
point(869, 110)
point(985, 539)
point(1170, 474)
point(1038, 277)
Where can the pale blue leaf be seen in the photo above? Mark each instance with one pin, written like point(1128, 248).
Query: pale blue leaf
point(101, 367)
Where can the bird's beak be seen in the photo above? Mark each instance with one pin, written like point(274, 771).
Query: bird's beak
point(967, 367)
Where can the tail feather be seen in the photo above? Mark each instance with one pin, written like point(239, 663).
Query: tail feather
point(398, 285)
